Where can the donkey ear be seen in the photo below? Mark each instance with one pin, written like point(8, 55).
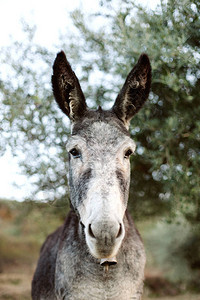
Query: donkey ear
point(135, 91)
point(66, 88)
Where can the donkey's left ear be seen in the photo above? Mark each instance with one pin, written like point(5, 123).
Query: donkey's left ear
point(135, 91)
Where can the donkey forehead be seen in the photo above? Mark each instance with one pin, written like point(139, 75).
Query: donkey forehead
point(101, 135)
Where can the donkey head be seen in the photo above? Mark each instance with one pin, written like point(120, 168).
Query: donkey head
point(99, 150)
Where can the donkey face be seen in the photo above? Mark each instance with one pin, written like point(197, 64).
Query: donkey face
point(99, 151)
point(99, 182)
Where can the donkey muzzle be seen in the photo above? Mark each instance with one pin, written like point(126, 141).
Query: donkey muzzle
point(104, 239)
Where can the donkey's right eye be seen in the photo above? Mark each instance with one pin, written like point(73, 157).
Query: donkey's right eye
point(75, 153)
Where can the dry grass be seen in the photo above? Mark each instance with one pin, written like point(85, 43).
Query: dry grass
point(15, 284)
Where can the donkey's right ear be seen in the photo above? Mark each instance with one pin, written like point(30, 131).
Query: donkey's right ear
point(135, 91)
point(66, 89)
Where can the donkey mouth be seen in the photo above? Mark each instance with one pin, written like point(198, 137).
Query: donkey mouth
point(105, 254)
point(108, 261)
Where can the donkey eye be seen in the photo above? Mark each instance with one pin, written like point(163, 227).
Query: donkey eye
point(128, 153)
point(75, 153)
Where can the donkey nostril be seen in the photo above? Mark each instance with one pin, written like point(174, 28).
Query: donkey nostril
point(120, 231)
point(90, 231)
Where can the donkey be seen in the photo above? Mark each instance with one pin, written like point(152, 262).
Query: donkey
point(97, 253)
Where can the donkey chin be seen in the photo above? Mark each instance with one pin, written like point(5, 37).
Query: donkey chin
point(104, 239)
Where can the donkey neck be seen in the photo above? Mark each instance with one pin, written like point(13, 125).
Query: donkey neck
point(86, 274)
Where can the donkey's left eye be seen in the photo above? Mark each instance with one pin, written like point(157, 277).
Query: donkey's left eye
point(128, 153)
point(75, 153)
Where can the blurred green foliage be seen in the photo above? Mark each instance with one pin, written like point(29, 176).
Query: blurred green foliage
point(173, 251)
point(165, 171)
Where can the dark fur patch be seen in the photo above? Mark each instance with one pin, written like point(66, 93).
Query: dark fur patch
point(123, 184)
point(82, 184)
point(43, 280)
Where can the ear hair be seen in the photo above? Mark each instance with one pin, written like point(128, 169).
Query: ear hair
point(135, 91)
point(66, 88)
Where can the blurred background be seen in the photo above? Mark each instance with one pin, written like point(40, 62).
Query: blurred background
point(102, 40)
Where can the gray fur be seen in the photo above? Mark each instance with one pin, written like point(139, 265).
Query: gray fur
point(79, 276)
point(99, 226)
